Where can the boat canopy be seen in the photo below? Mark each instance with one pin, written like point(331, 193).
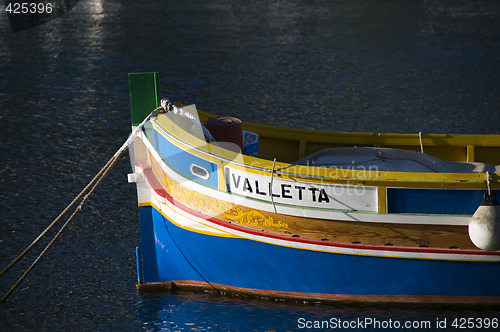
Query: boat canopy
point(391, 160)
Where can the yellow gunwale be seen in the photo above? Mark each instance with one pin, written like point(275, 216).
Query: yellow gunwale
point(470, 142)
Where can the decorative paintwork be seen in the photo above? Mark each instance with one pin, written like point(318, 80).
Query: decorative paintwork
point(214, 219)
point(214, 207)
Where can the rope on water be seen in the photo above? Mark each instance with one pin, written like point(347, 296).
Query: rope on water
point(56, 220)
point(93, 184)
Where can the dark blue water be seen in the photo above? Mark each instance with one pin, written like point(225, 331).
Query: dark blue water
point(384, 66)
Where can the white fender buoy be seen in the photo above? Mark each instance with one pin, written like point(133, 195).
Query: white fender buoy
point(484, 227)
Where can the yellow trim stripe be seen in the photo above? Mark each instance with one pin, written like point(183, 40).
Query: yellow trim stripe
point(191, 229)
point(260, 166)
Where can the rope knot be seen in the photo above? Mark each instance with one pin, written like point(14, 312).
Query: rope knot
point(166, 105)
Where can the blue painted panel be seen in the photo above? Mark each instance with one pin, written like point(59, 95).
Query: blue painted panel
point(169, 261)
point(148, 247)
point(434, 201)
point(181, 160)
point(186, 255)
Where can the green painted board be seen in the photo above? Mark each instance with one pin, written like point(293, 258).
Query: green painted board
point(144, 91)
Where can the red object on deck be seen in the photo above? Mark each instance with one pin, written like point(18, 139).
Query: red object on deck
point(226, 129)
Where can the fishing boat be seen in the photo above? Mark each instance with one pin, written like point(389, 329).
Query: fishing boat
point(244, 208)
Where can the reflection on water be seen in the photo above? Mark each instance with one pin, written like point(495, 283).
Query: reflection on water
point(390, 66)
point(204, 312)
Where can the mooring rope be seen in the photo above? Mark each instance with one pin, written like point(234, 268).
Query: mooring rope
point(420, 140)
point(93, 184)
point(271, 186)
point(70, 205)
point(488, 182)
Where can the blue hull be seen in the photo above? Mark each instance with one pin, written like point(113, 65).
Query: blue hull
point(397, 226)
point(171, 253)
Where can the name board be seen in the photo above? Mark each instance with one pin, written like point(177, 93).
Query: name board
point(300, 193)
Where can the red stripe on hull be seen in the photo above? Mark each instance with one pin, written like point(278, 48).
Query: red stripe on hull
point(164, 194)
